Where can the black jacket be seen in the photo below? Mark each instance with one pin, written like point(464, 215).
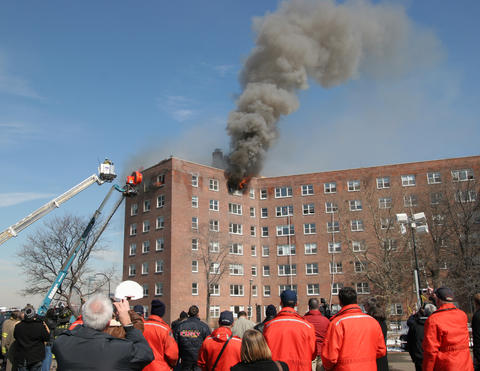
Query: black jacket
point(30, 336)
point(265, 365)
point(476, 335)
point(261, 325)
point(189, 336)
point(84, 348)
point(415, 339)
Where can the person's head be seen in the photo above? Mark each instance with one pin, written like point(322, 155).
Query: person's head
point(242, 313)
point(443, 295)
point(183, 315)
point(226, 318)
point(51, 314)
point(193, 311)
point(97, 312)
point(428, 309)
point(158, 308)
point(16, 315)
point(288, 298)
point(139, 310)
point(374, 308)
point(29, 312)
point(271, 311)
point(346, 296)
point(254, 347)
point(476, 299)
point(313, 304)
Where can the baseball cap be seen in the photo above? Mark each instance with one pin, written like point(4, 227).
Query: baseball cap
point(226, 318)
point(444, 294)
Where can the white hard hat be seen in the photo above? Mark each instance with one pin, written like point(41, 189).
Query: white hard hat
point(130, 290)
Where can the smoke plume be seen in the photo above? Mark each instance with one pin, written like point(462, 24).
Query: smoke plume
point(315, 40)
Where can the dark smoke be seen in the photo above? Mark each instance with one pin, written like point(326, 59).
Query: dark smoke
point(319, 40)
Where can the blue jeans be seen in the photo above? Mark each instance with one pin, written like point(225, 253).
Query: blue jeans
point(47, 362)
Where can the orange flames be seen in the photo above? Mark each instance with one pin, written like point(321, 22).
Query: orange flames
point(244, 182)
point(135, 178)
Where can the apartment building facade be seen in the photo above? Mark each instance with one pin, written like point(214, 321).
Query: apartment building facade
point(187, 234)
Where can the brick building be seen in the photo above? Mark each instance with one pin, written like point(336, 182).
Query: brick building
point(299, 231)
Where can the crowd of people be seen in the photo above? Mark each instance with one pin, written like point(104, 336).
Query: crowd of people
point(116, 337)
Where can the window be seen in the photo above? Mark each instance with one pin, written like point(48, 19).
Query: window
point(286, 250)
point(356, 225)
point(336, 267)
point(194, 244)
point(133, 229)
point(235, 209)
point(360, 267)
point(214, 311)
point(235, 228)
point(160, 222)
point(281, 192)
point(253, 250)
point(214, 246)
point(333, 227)
point(236, 290)
point(236, 269)
point(251, 193)
point(253, 231)
point(194, 180)
point(214, 289)
point(396, 309)
point(287, 269)
point(158, 289)
point(159, 266)
point(282, 288)
point(266, 290)
point(358, 246)
point(263, 194)
point(134, 209)
point(313, 289)
point(194, 222)
point(264, 231)
point(194, 288)
point(409, 200)
point(236, 249)
point(311, 268)
point(390, 244)
point(213, 205)
point(254, 293)
point(133, 249)
point(161, 201)
point(284, 210)
point(465, 196)
point(285, 230)
point(213, 185)
point(195, 201)
point(146, 226)
point(336, 288)
point(254, 270)
point(160, 180)
point(213, 225)
point(132, 270)
point(194, 266)
point(307, 189)
point(145, 268)
point(265, 250)
point(266, 271)
point(385, 203)
point(362, 288)
point(310, 248)
point(264, 212)
point(214, 268)
point(309, 228)
point(334, 247)
point(408, 180)
point(145, 289)
point(159, 244)
point(330, 187)
point(434, 178)
point(145, 247)
point(252, 212)
point(436, 198)
point(383, 183)
point(386, 223)
point(353, 185)
point(331, 207)
point(462, 175)
point(146, 206)
point(308, 209)
point(355, 205)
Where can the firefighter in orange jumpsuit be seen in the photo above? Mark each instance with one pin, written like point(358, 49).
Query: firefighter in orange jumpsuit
point(354, 340)
point(446, 339)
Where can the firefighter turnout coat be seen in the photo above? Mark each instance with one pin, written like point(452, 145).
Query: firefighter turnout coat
point(212, 347)
point(354, 341)
point(160, 338)
point(291, 340)
point(445, 341)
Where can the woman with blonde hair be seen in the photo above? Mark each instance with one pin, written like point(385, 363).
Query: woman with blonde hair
point(256, 355)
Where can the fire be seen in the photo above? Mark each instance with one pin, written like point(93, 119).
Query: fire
point(135, 178)
point(244, 182)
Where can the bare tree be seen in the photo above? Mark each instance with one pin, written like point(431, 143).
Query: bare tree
point(47, 250)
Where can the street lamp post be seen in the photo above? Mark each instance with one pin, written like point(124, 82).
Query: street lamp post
point(250, 300)
point(108, 281)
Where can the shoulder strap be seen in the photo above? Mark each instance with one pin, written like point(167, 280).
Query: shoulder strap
point(280, 368)
point(221, 352)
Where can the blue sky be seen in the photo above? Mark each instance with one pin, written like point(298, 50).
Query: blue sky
point(81, 81)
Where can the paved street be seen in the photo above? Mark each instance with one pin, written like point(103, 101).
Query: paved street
point(400, 361)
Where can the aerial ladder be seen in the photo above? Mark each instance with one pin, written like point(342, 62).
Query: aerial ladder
point(106, 173)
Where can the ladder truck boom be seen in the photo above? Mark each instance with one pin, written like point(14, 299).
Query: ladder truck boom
point(106, 173)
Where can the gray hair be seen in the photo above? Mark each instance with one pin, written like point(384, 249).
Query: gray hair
point(429, 309)
point(97, 312)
